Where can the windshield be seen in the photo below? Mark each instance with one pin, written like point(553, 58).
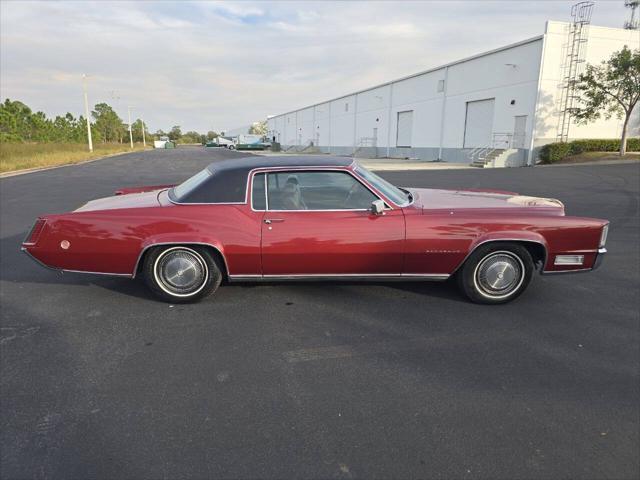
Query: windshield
point(185, 188)
point(398, 196)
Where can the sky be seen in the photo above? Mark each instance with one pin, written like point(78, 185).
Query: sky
point(221, 65)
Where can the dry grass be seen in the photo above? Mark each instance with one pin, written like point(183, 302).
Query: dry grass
point(20, 156)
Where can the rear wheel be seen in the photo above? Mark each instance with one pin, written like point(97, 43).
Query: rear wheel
point(181, 274)
point(496, 273)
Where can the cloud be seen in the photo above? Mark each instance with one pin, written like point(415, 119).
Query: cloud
point(205, 65)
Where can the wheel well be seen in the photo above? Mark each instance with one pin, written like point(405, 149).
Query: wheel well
point(222, 264)
point(536, 250)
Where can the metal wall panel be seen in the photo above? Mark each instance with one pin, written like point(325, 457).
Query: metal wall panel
point(405, 129)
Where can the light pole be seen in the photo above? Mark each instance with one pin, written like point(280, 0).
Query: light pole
point(144, 142)
point(86, 110)
point(130, 133)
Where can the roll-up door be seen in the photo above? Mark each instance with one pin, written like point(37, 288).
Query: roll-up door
point(478, 126)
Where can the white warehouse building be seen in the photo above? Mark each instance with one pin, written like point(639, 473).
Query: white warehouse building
point(507, 99)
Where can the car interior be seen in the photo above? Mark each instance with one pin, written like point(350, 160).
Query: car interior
point(317, 191)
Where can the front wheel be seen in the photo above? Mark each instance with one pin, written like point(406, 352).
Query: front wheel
point(231, 147)
point(496, 273)
point(181, 274)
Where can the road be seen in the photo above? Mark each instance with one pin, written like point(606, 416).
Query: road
point(99, 380)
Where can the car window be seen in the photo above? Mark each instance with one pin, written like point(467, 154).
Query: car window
point(398, 196)
point(190, 184)
point(321, 190)
point(258, 199)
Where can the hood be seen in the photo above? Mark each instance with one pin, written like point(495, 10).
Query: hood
point(132, 200)
point(431, 199)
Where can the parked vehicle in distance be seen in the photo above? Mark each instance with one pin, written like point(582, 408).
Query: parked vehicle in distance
point(164, 142)
point(221, 142)
point(309, 218)
point(250, 142)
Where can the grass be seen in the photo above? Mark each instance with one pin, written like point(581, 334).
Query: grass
point(599, 156)
point(20, 156)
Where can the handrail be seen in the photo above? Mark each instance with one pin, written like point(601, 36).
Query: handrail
point(499, 141)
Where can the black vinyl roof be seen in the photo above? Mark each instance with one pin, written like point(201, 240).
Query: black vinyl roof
point(228, 182)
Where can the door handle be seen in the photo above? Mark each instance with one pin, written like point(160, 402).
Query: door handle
point(269, 221)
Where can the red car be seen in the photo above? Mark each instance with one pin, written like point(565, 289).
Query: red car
point(315, 218)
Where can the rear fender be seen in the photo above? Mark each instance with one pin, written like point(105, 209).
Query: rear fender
point(173, 239)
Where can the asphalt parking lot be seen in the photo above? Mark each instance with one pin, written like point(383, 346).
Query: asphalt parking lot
point(99, 380)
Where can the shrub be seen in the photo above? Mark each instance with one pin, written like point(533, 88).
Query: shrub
point(554, 152)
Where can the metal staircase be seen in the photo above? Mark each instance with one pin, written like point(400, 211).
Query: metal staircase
point(500, 143)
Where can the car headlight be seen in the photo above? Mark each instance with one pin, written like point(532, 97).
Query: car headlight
point(603, 235)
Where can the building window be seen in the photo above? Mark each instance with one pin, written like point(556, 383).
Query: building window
point(346, 107)
point(440, 85)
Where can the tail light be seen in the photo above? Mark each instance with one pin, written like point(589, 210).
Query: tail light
point(35, 232)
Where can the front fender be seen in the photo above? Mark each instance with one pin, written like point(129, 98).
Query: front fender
point(509, 236)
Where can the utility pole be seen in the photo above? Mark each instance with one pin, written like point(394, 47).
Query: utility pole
point(144, 142)
point(130, 133)
point(86, 111)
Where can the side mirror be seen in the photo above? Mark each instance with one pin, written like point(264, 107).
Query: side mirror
point(377, 207)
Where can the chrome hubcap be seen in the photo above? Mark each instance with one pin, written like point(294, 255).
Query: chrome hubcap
point(499, 274)
point(181, 271)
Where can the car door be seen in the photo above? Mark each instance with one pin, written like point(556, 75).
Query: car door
point(319, 223)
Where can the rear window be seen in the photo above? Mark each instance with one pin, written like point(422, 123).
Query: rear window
point(258, 197)
point(189, 185)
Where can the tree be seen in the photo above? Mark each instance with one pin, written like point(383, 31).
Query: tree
point(175, 133)
point(136, 131)
point(211, 135)
point(610, 89)
point(258, 128)
point(108, 123)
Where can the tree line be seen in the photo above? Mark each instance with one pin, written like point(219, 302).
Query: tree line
point(18, 123)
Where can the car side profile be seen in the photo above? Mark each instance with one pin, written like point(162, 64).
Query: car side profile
point(315, 218)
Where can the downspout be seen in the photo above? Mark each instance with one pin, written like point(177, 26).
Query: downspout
point(538, 94)
point(330, 125)
point(355, 123)
point(443, 111)
point(389, 120)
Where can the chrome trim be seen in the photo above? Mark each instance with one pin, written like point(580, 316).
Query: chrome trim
point(596, 264)
point(28, 253)
point(184, 244)
point(544, 262)
point(355, 171)
point(341, 276)
point(33, 225)
point(348, 168)
point(561, 260)
point(577, 270)
point(98, 273)
point(64, 270)
point(599, 258)
point(267, 170)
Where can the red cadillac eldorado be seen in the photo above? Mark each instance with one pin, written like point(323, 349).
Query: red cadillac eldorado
point(315, 218)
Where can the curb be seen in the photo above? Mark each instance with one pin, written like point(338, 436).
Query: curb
point(596, 163)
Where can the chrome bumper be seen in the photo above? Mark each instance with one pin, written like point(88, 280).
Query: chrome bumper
point(599, 258)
